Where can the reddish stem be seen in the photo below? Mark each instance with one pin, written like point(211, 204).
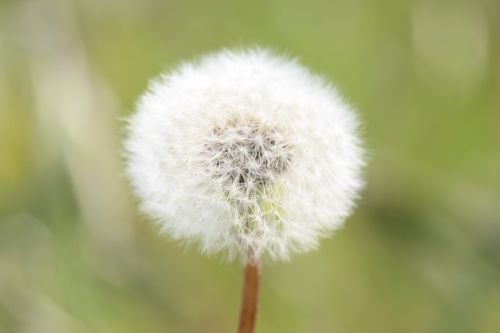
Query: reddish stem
point(249, 298)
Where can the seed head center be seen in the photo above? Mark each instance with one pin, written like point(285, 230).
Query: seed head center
point(247, 155)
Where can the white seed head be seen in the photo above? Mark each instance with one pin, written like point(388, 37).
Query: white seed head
point(245, 152)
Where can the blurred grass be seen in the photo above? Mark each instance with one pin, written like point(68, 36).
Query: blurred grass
point(421, 254)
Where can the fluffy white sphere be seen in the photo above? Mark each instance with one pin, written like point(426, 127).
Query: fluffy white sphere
point(245, 152)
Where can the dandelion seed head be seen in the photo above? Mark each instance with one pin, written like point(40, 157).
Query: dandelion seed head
point(245, 152)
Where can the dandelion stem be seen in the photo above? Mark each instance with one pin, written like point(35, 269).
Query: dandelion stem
point(250, 297)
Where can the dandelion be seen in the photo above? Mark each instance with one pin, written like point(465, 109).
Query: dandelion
point(245, 153)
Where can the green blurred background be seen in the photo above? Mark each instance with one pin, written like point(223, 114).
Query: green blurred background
point(421, 253)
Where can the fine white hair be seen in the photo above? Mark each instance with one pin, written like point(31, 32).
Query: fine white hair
point(245, 152)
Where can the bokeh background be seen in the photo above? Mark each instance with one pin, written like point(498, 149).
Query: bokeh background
point(421, 253)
